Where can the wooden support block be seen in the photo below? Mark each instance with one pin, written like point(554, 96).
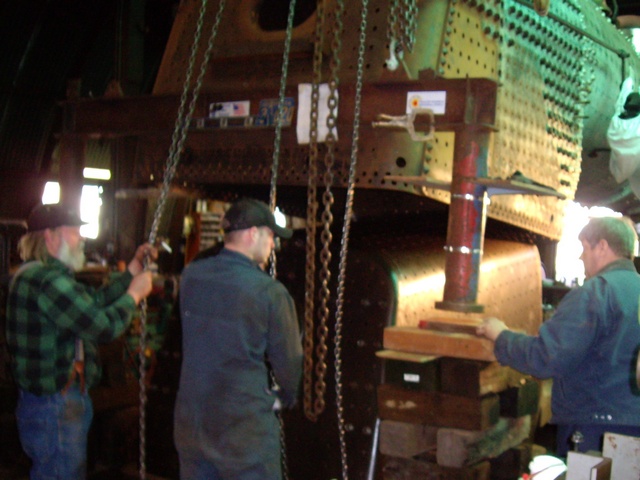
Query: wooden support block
point(512, 463)
point(406, 440)
point(451, 324)
point(457, 448)
point(437, 409)
point(471, 378)
point(428, 342)
point(410, 370)
point(407, 469)
point(521, 400)
point(544, 401)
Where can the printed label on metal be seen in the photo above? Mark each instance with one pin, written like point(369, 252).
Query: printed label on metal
point(269, 109)
point(435, 101)
point(229, 109)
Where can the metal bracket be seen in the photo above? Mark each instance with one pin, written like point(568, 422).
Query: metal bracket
point(493, 186)
point(407, 122)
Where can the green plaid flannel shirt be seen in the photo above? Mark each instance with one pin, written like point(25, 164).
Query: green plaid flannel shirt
point(47, 309)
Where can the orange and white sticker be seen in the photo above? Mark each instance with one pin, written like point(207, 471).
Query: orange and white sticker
point(435, 101)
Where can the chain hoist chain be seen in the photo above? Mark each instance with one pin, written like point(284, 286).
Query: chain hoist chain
point(346, 227)
point(273, 191)
point(177, 143)
point(312, 209)
point(402, 25)
point(410, 24)
point(326, 236)
point(279, 120)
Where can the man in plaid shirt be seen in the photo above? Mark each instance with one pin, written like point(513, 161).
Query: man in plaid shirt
point(54, 324)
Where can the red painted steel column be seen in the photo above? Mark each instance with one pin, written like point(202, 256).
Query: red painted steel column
point(467, 218)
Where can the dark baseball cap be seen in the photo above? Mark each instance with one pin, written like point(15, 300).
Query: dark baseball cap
point(247, 213)
point(53, 216)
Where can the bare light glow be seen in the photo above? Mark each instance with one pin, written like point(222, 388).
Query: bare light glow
point(90, 203)
point(281, 219)
point(97, 173)
point(51, 193)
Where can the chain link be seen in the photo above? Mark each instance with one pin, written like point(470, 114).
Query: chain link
point(346, 227)
point(402, 26)
point(177, 144)
point(312, 210)
point(326, 237)
point(273, 191)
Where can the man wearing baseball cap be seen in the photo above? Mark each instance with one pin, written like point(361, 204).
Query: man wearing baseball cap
point(234, 318)
point(54, 324)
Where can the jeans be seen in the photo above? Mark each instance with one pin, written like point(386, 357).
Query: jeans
point(53, 431)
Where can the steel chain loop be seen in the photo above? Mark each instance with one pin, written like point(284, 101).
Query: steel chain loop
point(402, 26)
point(273, 191)
point(312, 209)
point(346, 227)
point(326, 237)
point(178, 138)
point(410, 24)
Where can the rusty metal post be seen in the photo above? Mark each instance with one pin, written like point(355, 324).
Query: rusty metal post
point(467, 219)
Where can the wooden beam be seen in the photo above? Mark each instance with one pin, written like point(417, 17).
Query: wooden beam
point(406, 440)
point(472, 378)
point(427, 342)
point(437, 409)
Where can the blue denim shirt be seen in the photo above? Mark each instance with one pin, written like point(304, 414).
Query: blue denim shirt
point(589, 347)
point(233, 316)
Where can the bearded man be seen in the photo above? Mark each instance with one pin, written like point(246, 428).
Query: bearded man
point(54, 324)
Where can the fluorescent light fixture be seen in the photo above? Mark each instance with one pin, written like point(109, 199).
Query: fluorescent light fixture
point(97, 173)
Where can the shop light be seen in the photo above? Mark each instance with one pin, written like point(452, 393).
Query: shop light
point(97, 173)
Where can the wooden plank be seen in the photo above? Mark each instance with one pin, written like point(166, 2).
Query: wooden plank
point(427, 342)
point(521, 400)
point(437, 409)
point(405, 356)
point(457, 448)
point(451, 324)
point(408, 469)
point(471, 378)
point(413, 375)
point(406, 440)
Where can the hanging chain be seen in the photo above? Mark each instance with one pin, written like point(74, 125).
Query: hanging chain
point(273, 191)
point(410, 24)
point(312, 209)
point(279, 120)
point(402, 26)
point(346, 227)
point(177, 143)
point(326, 236)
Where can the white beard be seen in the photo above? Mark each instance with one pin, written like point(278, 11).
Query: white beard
point(74, 259)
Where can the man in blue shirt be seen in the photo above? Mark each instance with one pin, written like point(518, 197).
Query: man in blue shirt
point(590, 345)
point(235, 318)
